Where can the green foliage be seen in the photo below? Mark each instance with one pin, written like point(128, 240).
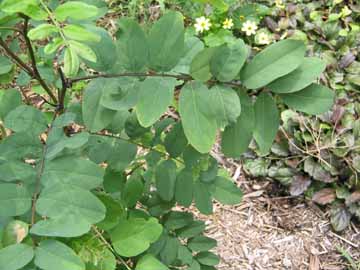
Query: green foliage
point(95, 176)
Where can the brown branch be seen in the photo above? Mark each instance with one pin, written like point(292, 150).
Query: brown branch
point(62, 92)
point(36, 73)
point(15, 58)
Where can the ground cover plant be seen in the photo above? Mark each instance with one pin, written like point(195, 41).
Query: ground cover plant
point(95, 178)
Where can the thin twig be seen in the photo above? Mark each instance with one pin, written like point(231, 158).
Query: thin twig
point(36, 72)
point(62, 92)
point(102, 238)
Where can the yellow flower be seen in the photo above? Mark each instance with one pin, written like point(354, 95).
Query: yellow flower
point(264, 38)
point(279, 4)
point(228, 24)
point(202, 24)
point(249, 27)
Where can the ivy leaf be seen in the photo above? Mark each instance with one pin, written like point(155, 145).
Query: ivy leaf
point(275, 61)
point(26, 118)
point(225, 105)
point(72, 171)
point(202, 197)
point(200, 65)
point(133, 236)
point(225, 191)
point(54, 255)
point(165, 175)
point(266, 122)
point(155, 95)
point(184, 188)
point(304, 75)
point(237, 136)
point(166, 42)
point(314, 99)
point(15, 200)
point(9, 99)
point(75, 10)
point(195, 111)
point(132, 48)
point(95, 116)
point(15, 256)
point(149, 262)
point(201, 243)
point(228, 59)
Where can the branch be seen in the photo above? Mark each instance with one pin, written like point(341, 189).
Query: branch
point(131, 74)
point(16, 59)
point(62, 92)
point(36, 73)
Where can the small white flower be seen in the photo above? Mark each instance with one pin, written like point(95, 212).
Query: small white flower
point(264, 38)
point(228, 24)
point(249, 27)
point(202, 24)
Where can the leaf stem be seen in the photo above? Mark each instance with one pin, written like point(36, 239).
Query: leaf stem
point(102, 238)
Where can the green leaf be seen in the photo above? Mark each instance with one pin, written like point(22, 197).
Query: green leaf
point(304, 75)
point(16, 171)
point(52, 46)
point(266, 122)
point(149, 262)
point(26, 118)
point(193, 46)
point(225, 191)
point(228, 60)
point(170, 251)
point(192, 230)
point(6, 66)
point(275, 61)
point(54, 255)
point(9, 99)
point(155, 95)
point(83, 50)
point(30, 8)
point(96, 117)
point(75, 10)
point(14, 233)
point(123, 96)
point(314, 99)
point(237, 137)
point(59, 200)
point(225, 105)
point(71, 62)
point(15, 256)
point(165, 176)
point(184, 188)
point(15, 200)
point(195, 111)
point(202, 197)
point(207, 258)
point(77, 32)
point(175, 141)
point(121, 154)
point(177, 220)
point(105, 50)
point(131, 46)
point(133, 190)
point(42, 31)
point(201, 243)
point(72, 171)
point(133, 236)
point(166, 42)
point(200, 65)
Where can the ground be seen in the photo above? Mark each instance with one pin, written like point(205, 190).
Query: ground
point(266, 232)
